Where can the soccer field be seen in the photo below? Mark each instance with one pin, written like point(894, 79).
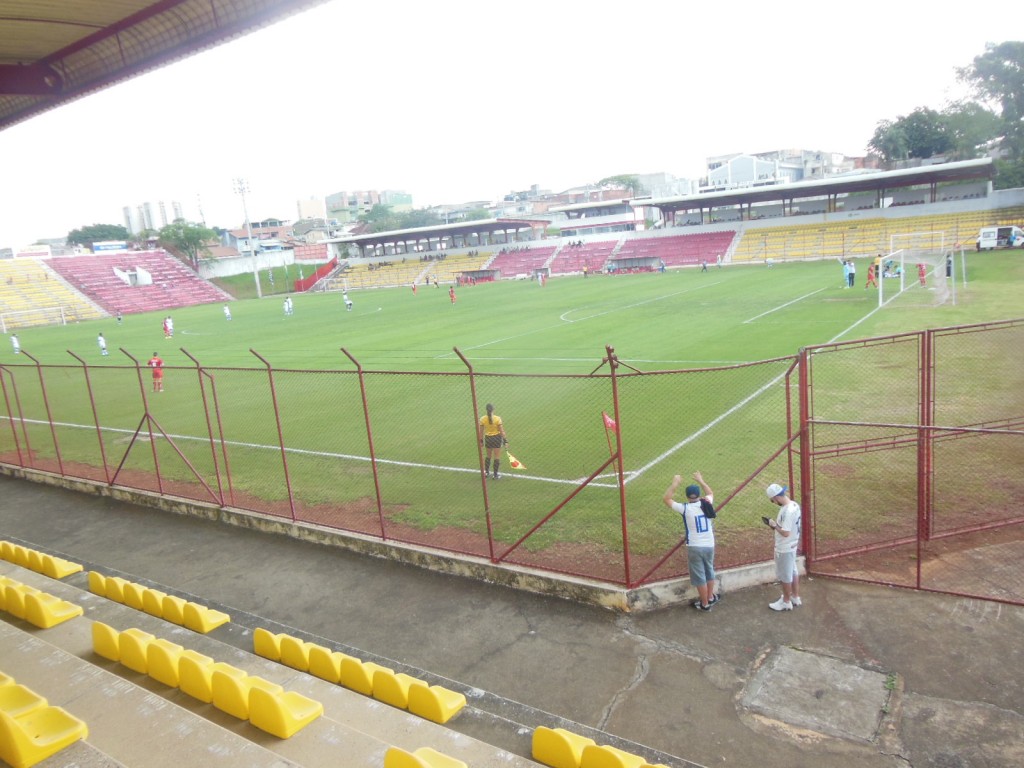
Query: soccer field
point(296, 441)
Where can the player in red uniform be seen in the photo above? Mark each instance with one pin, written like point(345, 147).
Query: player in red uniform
point(922, 273)
point(451, 294)
point(158, 372)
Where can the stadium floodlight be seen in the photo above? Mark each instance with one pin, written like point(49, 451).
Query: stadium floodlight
point(241, 188)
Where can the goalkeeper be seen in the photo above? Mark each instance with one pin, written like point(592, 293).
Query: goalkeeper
point(492, 436)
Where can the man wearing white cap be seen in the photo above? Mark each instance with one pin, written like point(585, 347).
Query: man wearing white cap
point(787, 540)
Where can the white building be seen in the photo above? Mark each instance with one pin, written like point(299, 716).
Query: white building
point(151, 215)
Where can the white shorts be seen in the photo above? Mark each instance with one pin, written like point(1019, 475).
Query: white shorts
point(785, 566)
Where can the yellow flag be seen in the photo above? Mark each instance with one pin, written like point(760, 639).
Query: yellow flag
point(514, 462)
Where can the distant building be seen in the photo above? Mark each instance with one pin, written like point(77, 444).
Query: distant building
point(312, 208)
point(151, 215)
point(346, 207)
point(783, 166)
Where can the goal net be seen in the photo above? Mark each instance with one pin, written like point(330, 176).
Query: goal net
point(922, 276)
point(30, 317)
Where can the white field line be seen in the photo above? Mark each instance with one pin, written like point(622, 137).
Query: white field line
point(782, 306)
point(693, 436)
point(326, 454)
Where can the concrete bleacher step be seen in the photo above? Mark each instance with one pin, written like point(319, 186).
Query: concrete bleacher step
point(138, 722)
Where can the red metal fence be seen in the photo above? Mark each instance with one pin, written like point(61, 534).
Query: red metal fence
point(906, 451)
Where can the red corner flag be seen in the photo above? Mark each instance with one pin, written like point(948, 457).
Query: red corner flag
point(514, 462)
point(609, 422)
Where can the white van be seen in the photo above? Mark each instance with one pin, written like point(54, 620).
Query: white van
point(1000, 237)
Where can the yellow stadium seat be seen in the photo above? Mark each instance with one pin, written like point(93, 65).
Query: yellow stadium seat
point(134, 645)
point(115, 588)
point(97, 583)
point(14, 598)
point(27, 740)
point(357, 675)
point(17, 700)
point(174, 609)
point(558, 747)
point(392, 687)
point(6, 680)
point(295, 653)
point(58, 568)
point(434, 702)
point(266, 644)
point(231, 688)
point(7, 551)
point(20, 556)
point(424, 757)
point(106, 641)
point(201, 619)
point(282, 714)
point(45, 611)
point(595, 756)
point(153, 602)
point(35, 561)
point(325, 663)
point(133, 595)
point(195, 675)
point(162, 661)
point(4, 581)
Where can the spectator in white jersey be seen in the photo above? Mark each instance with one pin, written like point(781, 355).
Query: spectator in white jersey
point(700, 537)
point(787, 540)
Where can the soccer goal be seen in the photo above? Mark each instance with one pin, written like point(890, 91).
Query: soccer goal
point(29, 317)
point(921, 270)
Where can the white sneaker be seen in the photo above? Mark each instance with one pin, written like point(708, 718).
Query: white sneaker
point(797, 601)
point(781, 605)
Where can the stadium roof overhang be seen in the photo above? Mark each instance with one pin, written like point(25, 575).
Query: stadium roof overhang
point(55, 52)
point(964, 170)
point(438, 231)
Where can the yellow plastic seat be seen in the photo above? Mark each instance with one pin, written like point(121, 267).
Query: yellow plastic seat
point(392, 687)
point(106, 641)
point(295, 653)
point(201, 619)
point(595, 756)
point(4, 581)
point(162, 661)
point(20, 556)
point(174, 609)
point(558, 747)
point(282, 714)
point(115, 588)
point(59, 568)
point(266, 644)
point(133, 595)
point(6, 680)
point(17, 700)
point(195, 675)
point(434, 703)
point(134, 644)
point(14, 598)
point(35, 561)
point(357, 675)
point(25, 741)
point(232, 686)
point(424, 757)
point(7, 551)
point(153, 602)
point(325, 663)
point(97, 583)
point(45, 611)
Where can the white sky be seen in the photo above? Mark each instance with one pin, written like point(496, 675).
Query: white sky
point(454, 101)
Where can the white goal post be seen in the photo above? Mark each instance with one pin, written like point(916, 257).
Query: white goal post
point(923, 272)
point(27, 318)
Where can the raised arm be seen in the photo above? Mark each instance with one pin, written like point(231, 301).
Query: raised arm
point(703, 486)
point(671, 490)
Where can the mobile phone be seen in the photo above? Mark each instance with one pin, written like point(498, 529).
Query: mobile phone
point(767, 521)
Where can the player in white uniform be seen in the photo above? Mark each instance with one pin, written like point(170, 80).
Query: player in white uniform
point(700, 538)
point(787, 540)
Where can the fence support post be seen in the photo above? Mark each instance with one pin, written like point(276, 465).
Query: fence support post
point(95, 415)
point(280, 432)
point(4, 375)
point(369, 440)
point(201, 372)
point(613, 365)
point(149, 427)
point(49, 415)
point(479, 451)
point(806, 447)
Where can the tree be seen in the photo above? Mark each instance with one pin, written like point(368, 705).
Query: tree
point(971, 127)
point(923, 133)
point(380, 219)
point(625, 181)
point(998, 78)
point(96, 233)
point(889, 142)
point(187, 239)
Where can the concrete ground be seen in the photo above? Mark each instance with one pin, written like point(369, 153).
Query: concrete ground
point(859, 675)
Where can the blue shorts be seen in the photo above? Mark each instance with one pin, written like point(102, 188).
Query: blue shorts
point(701, 561)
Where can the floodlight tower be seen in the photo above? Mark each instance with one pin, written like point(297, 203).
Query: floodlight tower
point(241, 188)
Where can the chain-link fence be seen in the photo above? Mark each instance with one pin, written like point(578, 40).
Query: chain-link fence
point(915, 450)
point(891, 438)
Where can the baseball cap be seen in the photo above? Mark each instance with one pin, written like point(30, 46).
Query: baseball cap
point(774, 490)
point(693, 490)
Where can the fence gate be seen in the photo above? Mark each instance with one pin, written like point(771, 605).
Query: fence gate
point(913, 460)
